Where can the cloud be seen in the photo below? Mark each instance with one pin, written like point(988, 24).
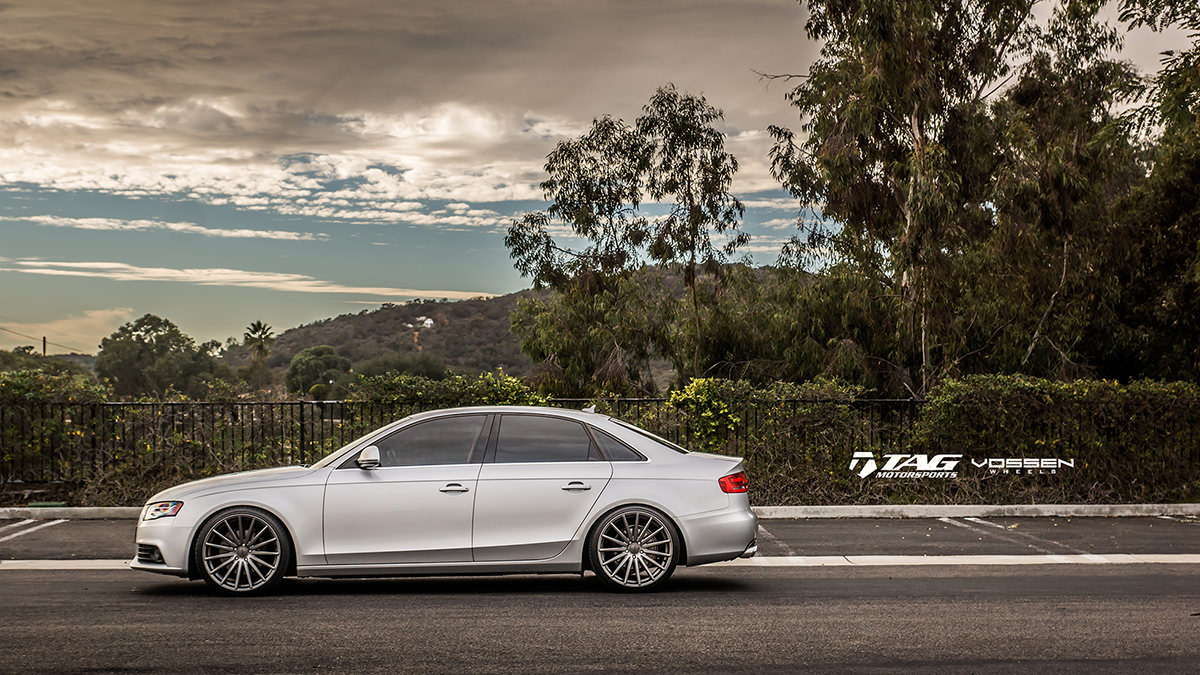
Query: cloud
point(216, 276)
point(238, 104)
point(76, 330)
point(768, 247)
point(778, 223)
point(117, 225)
point(356, 109)
point(778, 203)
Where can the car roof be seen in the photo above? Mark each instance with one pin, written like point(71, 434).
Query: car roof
point(540, 410)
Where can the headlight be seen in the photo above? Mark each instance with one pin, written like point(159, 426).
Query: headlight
point(161, 510)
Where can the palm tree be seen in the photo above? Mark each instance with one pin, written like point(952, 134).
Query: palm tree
point(258, 338)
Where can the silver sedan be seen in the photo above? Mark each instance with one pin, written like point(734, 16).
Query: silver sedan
point(493, 490)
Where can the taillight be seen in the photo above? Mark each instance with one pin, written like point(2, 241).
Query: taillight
point(734, 482)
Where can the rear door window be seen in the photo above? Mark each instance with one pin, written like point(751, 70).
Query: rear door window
point(534, 438)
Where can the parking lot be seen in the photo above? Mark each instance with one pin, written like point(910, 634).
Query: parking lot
point(853, 595)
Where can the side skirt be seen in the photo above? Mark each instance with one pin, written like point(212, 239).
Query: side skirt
point(439, 569)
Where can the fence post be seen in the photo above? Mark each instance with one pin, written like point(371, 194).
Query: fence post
point(303, 449)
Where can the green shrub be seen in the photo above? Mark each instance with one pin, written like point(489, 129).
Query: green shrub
point(421, 393)
point(712, 407)
point(1130, 443)
point(27, 387)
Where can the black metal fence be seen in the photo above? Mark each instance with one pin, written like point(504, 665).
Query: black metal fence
point(73, 443)
point(797, 451)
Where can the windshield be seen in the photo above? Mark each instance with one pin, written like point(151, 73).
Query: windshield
point(657, 439)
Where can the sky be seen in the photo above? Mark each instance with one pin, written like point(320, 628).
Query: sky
point(218, 163)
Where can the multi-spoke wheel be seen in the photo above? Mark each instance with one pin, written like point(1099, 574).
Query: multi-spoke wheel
point(634, 549)
point(242, 551)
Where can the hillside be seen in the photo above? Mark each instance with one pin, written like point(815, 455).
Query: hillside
point(25, 358)
point(468, 335)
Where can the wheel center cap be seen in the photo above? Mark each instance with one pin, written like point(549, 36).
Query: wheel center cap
point(242, 551)
point(635, 548)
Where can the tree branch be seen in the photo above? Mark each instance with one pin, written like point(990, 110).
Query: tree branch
point(1037, 333)
point(782, 76)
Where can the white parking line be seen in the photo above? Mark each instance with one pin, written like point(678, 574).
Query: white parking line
point(1048, 552)
point(1029, 539)
point(767, 536)
point(981, 521)
point(20, 533)
point(12, 525)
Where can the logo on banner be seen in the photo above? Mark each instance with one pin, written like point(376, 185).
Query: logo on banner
point(867, 465)
point(905, 466)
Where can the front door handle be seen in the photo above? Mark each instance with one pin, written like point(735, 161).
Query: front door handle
point(576, 485)
point(455, 487)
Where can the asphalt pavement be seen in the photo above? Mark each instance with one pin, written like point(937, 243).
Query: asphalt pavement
point(952, 617)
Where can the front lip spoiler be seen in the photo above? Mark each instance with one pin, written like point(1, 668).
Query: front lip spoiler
point(136, 564)
point(750, 550)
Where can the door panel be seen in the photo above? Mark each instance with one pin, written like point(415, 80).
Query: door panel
point(416, 507)
point(522, 511)
point(400, 514)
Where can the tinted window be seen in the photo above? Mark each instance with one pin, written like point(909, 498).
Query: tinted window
point(657, 439)
point(526, 438)
point(616, 450)
point(447, 440)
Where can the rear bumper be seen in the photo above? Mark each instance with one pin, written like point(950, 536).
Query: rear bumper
point(721, 535)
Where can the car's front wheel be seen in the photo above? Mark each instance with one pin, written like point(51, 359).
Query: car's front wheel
point(242, 551)
point(634, 548)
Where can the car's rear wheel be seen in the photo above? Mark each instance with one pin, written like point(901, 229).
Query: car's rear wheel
point(242, 551)
point(635, 548)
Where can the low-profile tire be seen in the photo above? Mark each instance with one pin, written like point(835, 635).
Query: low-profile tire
point(242, 551)
point(634, 548)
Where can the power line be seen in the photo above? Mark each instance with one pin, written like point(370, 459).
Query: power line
point(32, 337)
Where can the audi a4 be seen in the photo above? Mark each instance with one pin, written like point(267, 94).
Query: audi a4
point(486, 490)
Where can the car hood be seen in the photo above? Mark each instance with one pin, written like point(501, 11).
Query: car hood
point(231, 480)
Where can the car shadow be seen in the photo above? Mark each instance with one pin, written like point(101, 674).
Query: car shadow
point(557, 584)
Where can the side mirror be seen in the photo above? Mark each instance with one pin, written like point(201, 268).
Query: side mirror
point(369, 458)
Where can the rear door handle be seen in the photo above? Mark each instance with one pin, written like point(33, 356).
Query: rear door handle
point(455, 487)
point(576, 485)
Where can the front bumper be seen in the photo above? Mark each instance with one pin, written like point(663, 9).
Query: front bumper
point(171, 538)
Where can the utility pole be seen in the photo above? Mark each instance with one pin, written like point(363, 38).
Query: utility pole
point(43, 345)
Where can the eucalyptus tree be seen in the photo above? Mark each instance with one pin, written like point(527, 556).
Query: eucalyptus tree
point(929, 142)
point(690, 167)
point(594, 189)
point(591, 332)
point(1174, 92)
point(1155, 257)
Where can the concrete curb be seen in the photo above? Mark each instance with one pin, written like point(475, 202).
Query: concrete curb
point(773, 512)
point(74, 512)
point(978, 511)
